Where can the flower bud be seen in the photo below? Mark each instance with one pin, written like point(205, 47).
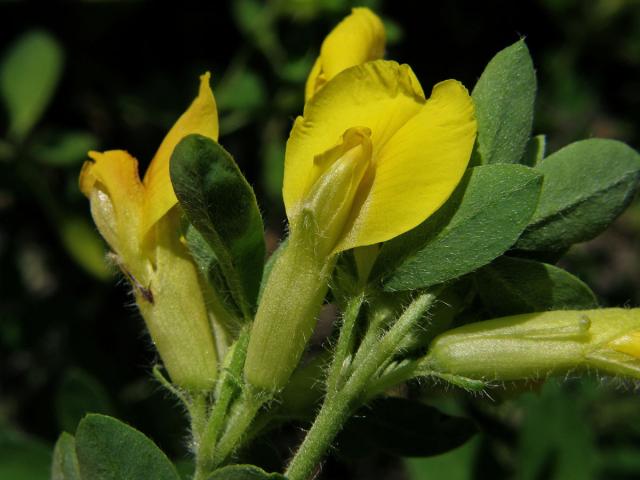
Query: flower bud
point(539, 344)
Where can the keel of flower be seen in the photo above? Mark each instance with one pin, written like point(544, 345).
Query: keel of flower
point(338, 180)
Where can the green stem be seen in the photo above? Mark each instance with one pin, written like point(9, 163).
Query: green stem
point(226, 388)
point(336, 409)
point(159, 376)
point(345, 343)
point(371, 337)
point(327, 425)
point(399, 374)
point(198, 414)
point(238, 423)
point(195, 401)
point(388, 344)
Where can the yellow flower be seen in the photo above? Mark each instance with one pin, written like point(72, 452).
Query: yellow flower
point(370, 159)
point(359, 38)
point(413, 150)
point(139, 222)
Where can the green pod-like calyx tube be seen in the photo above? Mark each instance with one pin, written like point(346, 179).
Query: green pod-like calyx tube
point(299, 280)
point(536, 345)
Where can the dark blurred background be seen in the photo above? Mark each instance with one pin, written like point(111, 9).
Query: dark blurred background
point(120, 74)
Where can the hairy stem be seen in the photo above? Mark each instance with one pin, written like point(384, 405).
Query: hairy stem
point(238, 424)
point(345, 341)
point(226, 388)
point(336, 408)
point(333, 414)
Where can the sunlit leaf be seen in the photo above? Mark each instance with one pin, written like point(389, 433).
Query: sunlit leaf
point(29, 73)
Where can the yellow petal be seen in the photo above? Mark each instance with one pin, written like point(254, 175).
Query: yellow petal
point(357, 39)
point(380, 96)
point(315, 80)
point(629, 344)
point(417, 169)
point(202, 118)
point(111, 181)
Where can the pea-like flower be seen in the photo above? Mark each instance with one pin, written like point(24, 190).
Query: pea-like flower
point(411, 151)
point(370, 159)
point(141, 223)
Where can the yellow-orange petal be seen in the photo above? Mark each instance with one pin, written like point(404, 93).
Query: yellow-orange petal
point(111, 182)
point(416, 169)
point(380, 95)
point(202, 118)
point(358, 38)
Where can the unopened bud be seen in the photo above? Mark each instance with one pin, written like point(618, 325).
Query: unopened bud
point(536, 345)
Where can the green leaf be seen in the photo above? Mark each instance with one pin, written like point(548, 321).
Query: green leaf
point(556, 441)
point(504, 98)
point(220, 203)
point(587, 185)
point(85, 246)
point(210, 268)
point(64, 149)
point(457, 464)
point(621, 461)
point(241, 89)
point(509, 286)
point(273, 167)
point(29, 74)
point(403, 427)
point(7, 150)
point(185, 468)
point(257, 21)
point(536, 149)
point(108, 449)
point(393, 31)
point(244, 472)
point(297, 69)
point(65, 462)
point(79, 394)
point(23, 457)
point(482, 219)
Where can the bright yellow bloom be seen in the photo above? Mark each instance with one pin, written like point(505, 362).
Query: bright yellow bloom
point(415, 149)
point(370, 159)
point(359, 38)
point(138, 221)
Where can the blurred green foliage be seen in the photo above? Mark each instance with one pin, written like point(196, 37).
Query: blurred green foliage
point(117, 74)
